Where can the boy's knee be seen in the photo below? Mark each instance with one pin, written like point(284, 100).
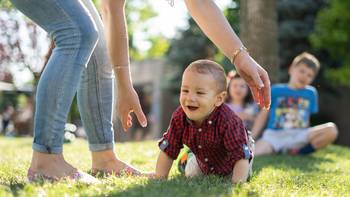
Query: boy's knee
point(262, 147)
point(330, 131)
point(333, 130)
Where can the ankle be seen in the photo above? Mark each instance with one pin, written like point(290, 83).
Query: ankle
point(104, 158)
point(44, 160)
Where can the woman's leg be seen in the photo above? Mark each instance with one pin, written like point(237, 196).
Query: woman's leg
point(75, 37)
point(95, 101)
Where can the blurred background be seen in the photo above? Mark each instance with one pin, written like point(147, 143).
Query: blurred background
point(164, 40)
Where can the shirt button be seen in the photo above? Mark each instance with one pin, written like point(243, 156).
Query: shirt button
point(200, 130)
point(199, 146)
point(206, 159)
point(210, 122)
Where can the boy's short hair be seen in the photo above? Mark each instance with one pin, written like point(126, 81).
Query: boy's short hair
point(309, 60)
point(210, 67)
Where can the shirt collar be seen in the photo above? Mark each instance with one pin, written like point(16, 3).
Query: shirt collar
point(209, 120)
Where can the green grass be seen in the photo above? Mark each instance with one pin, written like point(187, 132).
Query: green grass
point(325, 173)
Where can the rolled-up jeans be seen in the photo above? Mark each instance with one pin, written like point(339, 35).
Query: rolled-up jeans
point(79, 64)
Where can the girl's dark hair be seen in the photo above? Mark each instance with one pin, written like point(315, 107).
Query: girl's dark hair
point(230, 77)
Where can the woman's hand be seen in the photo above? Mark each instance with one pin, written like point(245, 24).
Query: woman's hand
point(256, 78)
point(127, 102)
point(214, 24)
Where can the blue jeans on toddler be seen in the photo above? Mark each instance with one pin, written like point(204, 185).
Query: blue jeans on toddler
point(79, 64)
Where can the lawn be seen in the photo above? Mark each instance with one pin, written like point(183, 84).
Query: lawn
point(325, 173)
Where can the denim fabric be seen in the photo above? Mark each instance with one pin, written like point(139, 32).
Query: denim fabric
point(74, 28)
point(95, 93)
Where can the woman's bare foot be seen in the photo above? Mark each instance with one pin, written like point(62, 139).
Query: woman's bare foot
point(53, 167)
point(106, 161)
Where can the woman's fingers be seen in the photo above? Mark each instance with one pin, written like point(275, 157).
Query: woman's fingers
point(140, 115)
point(266, 90)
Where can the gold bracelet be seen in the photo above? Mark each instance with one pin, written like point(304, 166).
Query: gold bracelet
point(120, 67)
point(237, 52)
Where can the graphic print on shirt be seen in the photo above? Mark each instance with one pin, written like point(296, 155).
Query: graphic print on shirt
point(291, 113)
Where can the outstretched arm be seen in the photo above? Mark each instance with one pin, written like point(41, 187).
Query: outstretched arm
point(240, 171)
point(259, 123)
point(163, 166)
point(214, 24)
point(113, 15)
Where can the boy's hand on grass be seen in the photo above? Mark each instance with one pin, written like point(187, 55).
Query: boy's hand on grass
point(152, 175)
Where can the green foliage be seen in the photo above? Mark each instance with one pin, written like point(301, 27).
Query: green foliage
point(7, 99)
point(5, 4)
point(137, 13)
point(325, 173)
point(332, 34)
point(296, 21)
point(159, 47)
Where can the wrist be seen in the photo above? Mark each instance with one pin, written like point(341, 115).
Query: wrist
point(124, 85)
point(123, 76)
point(239, 55)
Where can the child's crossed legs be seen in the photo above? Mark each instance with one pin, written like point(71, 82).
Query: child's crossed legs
point(318, 136)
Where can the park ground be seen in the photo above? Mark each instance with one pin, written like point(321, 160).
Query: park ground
point(325, 173)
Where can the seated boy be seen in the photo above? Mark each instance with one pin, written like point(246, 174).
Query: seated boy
point(213, 132)
point(292, 104)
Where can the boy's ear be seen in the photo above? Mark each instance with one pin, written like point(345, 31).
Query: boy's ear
point(220, 98)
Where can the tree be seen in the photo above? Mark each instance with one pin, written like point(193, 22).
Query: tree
point(332, 34)
point(258, 31)
point(137, 13)
point(23, 52)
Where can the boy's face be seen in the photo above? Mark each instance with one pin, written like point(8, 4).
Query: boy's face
point(199, 95)
point(300, 76)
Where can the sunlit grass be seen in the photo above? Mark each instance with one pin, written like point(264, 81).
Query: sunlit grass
point(325, 173)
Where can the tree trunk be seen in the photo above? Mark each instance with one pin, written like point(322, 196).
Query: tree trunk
point(258, 31)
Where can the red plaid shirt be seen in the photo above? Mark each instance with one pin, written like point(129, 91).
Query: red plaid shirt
point(218, 143)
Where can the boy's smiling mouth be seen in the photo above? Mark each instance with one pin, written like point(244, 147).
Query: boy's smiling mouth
point(192, 108)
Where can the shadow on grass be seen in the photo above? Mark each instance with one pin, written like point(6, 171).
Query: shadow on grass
point(219, 186)
point(14, 188)
point(181, 186)
point(303, 163)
